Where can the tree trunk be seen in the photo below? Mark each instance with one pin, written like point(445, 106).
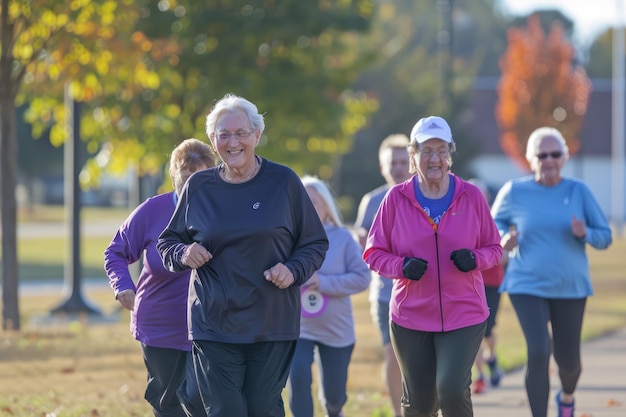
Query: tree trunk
point(10, 300)
point(8, 169)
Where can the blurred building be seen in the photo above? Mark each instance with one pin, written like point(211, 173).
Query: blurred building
point(592, 163)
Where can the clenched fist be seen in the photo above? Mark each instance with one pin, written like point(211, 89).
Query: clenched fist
point(195, 255)
point(280, 275)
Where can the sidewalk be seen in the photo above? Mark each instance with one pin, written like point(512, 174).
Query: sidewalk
point(601, 390)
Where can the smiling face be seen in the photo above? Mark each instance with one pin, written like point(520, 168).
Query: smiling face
point(548, 161)
point(235, 141)
point(433, 160)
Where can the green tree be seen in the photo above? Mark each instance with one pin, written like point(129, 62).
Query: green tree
point(43, 46)
point(547, 18)
point(539, 86)
point(600, 56)
point(406, 78)
point(294, 59)
point(147, 73)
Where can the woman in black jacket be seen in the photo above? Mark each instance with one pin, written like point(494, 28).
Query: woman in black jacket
point(252, 236)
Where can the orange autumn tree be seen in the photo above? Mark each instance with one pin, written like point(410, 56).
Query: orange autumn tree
point(539, 86)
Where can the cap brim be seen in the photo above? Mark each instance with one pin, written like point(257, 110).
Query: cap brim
point(423, 137)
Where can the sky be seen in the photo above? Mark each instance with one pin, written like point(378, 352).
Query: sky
point(591, 17)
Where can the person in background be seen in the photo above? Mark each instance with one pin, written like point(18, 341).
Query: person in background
point(486, 358)
point(546, 220)
point(158, 303)
point(433, 235)
point(327, 324)
point(250, 233)
point(393, 162)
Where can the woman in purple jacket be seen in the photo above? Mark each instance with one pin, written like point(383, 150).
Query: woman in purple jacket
point(158, 303)
point(433, 235)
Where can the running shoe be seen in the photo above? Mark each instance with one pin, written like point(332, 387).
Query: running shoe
point(495, 372)
point(564, 410)
point(479, 386)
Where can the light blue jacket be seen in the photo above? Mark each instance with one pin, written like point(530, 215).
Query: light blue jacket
point(549, 261)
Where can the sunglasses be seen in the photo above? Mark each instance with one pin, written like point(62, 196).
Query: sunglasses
point(554, 155)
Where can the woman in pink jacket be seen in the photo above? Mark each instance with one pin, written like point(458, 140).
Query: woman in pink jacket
point(434, 234)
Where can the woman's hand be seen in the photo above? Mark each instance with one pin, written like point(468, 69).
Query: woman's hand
point(280, 275)
point(509, 241)
point(195, 255)
point(578, 227)
point(127, 299)
point(313, 282)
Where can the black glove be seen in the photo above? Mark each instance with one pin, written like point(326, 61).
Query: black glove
point(414, 268)
point(463, 259)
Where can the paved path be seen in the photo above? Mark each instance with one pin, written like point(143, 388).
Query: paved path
point(601, 390)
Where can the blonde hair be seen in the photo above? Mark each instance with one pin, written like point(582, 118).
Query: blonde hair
point(190, 154)
point(324, 191)
point(395, 141)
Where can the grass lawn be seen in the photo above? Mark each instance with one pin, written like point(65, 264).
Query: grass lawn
point(43, 255)
point(74, 367)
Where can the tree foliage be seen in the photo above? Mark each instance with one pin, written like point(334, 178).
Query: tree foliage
point(146, 74)
point(293, 59)
point(600, 56)
point(539, 86)
point(412, 76)
point(46, 45)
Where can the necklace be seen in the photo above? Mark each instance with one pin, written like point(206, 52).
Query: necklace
point(257, 164)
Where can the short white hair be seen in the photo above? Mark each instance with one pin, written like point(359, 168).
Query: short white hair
point(232, 102)
point(538, 135)
point(324, 191)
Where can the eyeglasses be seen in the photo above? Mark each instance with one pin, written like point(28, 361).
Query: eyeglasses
point(428, 153)
point(240, 134)
point(553, 154)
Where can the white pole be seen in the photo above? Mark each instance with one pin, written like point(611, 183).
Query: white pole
point(617, 117)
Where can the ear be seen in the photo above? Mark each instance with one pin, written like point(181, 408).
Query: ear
point(257, 135)
point(212, 141)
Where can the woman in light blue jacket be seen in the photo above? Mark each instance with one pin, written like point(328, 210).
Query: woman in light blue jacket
point(546, 221)
point(433, 235)
point(327, 325)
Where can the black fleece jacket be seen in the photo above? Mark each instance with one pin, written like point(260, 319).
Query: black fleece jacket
point(248, 228)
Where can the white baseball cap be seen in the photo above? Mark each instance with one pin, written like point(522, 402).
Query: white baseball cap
point(431, 127)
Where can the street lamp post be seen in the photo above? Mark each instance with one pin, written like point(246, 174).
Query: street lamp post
point(75, 303)
point(444, 42)
point(617, 118)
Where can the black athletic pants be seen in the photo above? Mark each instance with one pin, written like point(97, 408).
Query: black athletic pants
point(243, 379)
point(565, 317)
point(437, 369)
point(171, 382)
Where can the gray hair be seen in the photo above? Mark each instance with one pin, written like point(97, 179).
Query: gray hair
point(229, 103)
point(324, 192)
point(538, 135)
